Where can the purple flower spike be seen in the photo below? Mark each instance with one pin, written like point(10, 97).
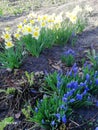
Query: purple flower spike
point(64, 99)
point(64, 120)
point(97, 104)
point(84, 93)
point(96, 81)
point(58, 116)
point(75, 69)
point(72, 100)
point(83, 84)
point(87, 77)
point(96, 74)
point(62, 107)
point(43, 121)
point(59, 80)
point(79, 96)
point(72, 85)
point(36, 109)
point(53, 123)
point(69, 52)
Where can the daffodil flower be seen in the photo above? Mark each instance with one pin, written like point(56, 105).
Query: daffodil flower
point(19, 26)
point(43, 24)
point(24, 21)
point(45, 17)
point(9, 44)
point(32, 21)
point(36, 28)
point(72, 17)
point(6, 36)
point(27, 29)
point(17, 36)
point(39, 18)
point(36, 34)
point(50, 20)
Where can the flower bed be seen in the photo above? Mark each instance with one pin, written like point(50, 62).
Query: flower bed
point(47, 100)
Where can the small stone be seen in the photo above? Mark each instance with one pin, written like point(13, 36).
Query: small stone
point(17, 116)
point(9, 69)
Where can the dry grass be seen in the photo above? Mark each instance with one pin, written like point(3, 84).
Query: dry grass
point(15, 7)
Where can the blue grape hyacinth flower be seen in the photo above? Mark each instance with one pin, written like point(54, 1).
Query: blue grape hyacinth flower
point(64, 120)
point(53, 123)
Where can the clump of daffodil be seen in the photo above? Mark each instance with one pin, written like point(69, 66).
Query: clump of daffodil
point(50, 28)
point(8, 44)
point(11, 57)
point(6, 35)
point(73, 16)
point(54, 21)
